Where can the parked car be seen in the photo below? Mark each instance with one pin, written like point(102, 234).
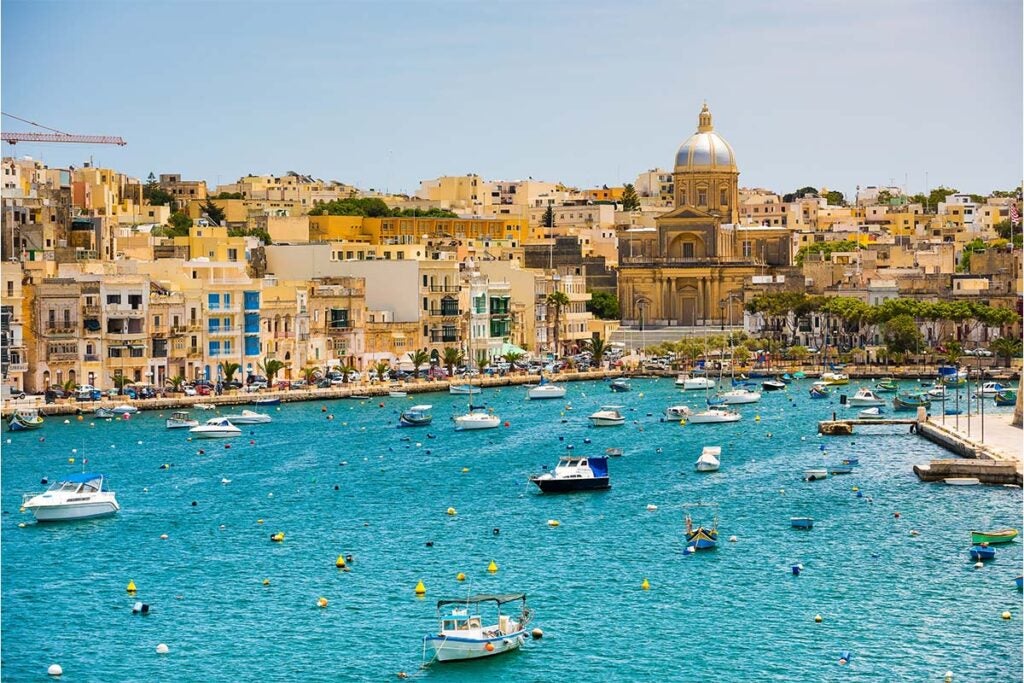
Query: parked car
point(203, 390)
point(980, 352)
point(188, 390)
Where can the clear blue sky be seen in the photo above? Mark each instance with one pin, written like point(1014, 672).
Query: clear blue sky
point(384, 94)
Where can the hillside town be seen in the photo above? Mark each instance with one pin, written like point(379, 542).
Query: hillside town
point(163, 281)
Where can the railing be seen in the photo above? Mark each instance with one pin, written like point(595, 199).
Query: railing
point(91, 310)
point(91, 358)
point(119, 310)
point(128, 336)
point(224, 309)
point(62, 356)
point(446, 312)
point(435, 338)
point(20, 366)
point(62, 328)
point(447, 289)
point(160, 331)
point(194, 353)
point(685, 262)
point(178, 329)
point(219, 331)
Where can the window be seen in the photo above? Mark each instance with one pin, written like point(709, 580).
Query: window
point(156, 321)
point(687, 249)
point(113, 298)
point(232, 254)
point(702, 197)
point(747, 248)
point(10, 288)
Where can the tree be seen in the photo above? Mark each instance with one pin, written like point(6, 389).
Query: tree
point(825, 249)
point(512, 357)
point(481, 363)
point(799, 194)
point(884, 197)
point(418, 359)
point(121, 381)
point(381, 368)
point(954, 350)
point(630, 202)
point(180, 223)
point(450, 358)
point(213, 212)
point(270, 367)
point(604, 305)
point(154, 194)
point(548, 221)
point(175, 383)
point(835, 198)
point(902, 335)
point(310, 375)
point(229, 368)
point(1007, 348)
point(69, 386)
point(597, 347)
point(228, 195)
point(557, 301)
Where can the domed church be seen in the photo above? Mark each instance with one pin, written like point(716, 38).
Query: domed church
point(691, 269)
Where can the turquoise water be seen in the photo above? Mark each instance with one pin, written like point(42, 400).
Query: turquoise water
point(906, 607)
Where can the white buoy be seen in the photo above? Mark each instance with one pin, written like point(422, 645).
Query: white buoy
point(162, 649)
point(55, 670)
point(979, 565)
point(732, 539)
point(652, 507)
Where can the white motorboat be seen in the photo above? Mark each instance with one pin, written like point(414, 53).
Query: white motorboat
point(709, 459)
point(575, 473)
point(937, 392)
point(989, 389)
point(815, 474)
point(77, 496)
point(416, 416)
point(546, 389)
point(871, 414)
point(463, 389)
point(694, 383)
point(216, 428)
point(204, 406)
point(678, 412)
point(180, 420)
point(397, 394)
point(866, 397)
point(835, 378)
point(608, 416)
point(463, 635)
point(739, 397)
point(715, 415)
point(476, 418)
point(124, 409)
point(248, 417)
point(962, 481)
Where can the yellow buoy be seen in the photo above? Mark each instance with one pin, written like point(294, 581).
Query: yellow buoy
point(465, 469)
point(817, 618)
point(259, 521)
point(71, 460)
point(421, 589)
point(266, 582)
point(682, 422)
point(278, 537)
point(553, 522)
point(646, 585)
point(460, 577)
point(492, 567)
point(855, 488)
point(80, 418)
point(452, 512)
point(340, 562)
point(131, 586)
point(1006, 615)
point(321, 603)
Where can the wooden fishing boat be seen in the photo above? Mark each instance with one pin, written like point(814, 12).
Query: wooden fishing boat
point(887, 386)
point(1007, 397)
point(995, 536)
point(906, 402)
point(25, 419)
point(701, 537)
point(819, 391)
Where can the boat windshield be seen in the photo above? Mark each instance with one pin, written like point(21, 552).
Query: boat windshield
point(78, 486)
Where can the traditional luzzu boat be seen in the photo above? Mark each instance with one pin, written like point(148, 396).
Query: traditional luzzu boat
point(1007, 397)
point(416, 416)
point(835, 378)
point(463, 634)
point(819, 391)
point(25, 419)
point(910, 401)
point(996, 536)
point(701, 537)
point(887, 386)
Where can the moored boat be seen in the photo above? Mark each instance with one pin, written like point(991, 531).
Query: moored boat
point(739, 397)
point(25, 419)
point(476, 418)
point(76, 496)
point(249, 417)
point(180, 419)
point(866, 397)
point(908, 401)
point(694, 383)
point(835, 378)
point(962, 481)
point(815, 474)
point(801, 522)
point(714, 415)
point(575, 473)
point(620, 385)
point(982, 552)
point(215, 428)
point(989, 389)
point(204, 406)
point(546, 389)
point(709, 459)
point(124, 409)
point(773, 385)
point(270, 401)
point(701, 537)
point(819, 391)
point(1006, 397)
point(678, 412)
point(995, 536)
point(840, 469)
point(607, 416)
point(104, 414)
point(463, 634)
point(463, 389)
point(871, 414)
point(887, 386)
point(416, 416)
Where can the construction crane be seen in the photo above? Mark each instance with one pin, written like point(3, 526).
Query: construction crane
point(56, 135)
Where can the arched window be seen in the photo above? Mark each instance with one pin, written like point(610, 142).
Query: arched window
point(724, 197)
point(702, 196)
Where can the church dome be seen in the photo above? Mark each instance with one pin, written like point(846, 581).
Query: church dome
point(705, 150)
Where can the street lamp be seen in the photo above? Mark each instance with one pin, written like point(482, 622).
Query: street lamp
point(721, 313)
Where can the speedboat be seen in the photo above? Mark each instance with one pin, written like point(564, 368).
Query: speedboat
point(834, 378)
point(476, 418)
point(989, 389)
point(104, 414)
point(709, 459)
point(124, 409)
point(181, 419)
point(204, 406)
point(395, 393)
point(815, 474)
point(463, 389)
point(871, 414)
point(416, 416)
point(678, 412)
point(216, 428)
point(937, 392)
point(739, 397)
point(866, 397)
point(463, 635)
point(76, 496)
point(773, 385)
point(575, 473)
point(272, 401)
point(620, 385)
point(819, 391)
point(608, 416)
point(694, 383)
point(701, 537)
point(546, 389)
point(715, 415)
point(25, 419)
point(991, 537)
point(248, 417)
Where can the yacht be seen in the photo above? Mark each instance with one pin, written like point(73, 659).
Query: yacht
point(463, 389)
point(76, 496)
point(678, 412)
point(865, 397)
point(416, 416)
point(608, 416)
point(575, 473)
point(694, 383)
point(546, 389)
point(739, 397)
point(989, 389)
point(709, 459)
point(620, 385)
point(773, 385)
point(216, 428)
point(715, 415)
point(476, 418)
point(248, 417)
point(181, 419)
point(124, 409)
point(463, 634)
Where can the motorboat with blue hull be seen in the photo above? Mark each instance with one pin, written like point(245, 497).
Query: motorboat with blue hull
point(416, 416)
point(76, 496)
point(620, 385)
point(575, 473)
point(275, 401)
point(463, 633)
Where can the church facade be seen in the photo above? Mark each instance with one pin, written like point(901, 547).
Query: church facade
point(691, 269)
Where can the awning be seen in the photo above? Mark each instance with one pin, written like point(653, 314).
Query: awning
point(92, 325)
point(510, 348)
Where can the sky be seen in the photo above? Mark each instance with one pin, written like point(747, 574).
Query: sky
point(827, 93)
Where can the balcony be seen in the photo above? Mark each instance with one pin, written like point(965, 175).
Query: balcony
point(218, 310)
point(338, 328)
point(20, 366)
point(446, 289)
point(445, 312)
point(223, 331)
point(91, 358)
point(91, 311)
point(193, 352)
point(178, 330)
point(140, 335)
point(63, 356)
point(439, 337)
point(61, 329)
point(121, 311)
point(159, 331)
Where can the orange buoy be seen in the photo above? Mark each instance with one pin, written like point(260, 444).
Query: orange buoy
point(489, 647)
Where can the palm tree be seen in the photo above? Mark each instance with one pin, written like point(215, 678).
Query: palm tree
point(597, 347)
point(450, 359)
point(69, 386)
point(512, 357)
point(481, 364)
point(310, 375)
point(557, 301)
point(381, 367)
point(346, 369)
point(120, 381)
point(270, 367)
point(229, 369)
point(418, 358)
point(1007, 348)
point(175, 384)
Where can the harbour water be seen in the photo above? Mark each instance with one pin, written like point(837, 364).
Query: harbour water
point(906, 606)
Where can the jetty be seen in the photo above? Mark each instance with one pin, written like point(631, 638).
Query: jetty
point(985, 471)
